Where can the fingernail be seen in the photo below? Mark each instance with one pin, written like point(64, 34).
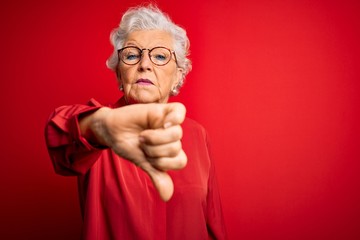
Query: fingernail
point(167, 125)
point(141, 139)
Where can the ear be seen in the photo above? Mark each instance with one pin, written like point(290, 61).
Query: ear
point(179, 77)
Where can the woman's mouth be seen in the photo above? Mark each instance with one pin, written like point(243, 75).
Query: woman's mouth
point(144, 81)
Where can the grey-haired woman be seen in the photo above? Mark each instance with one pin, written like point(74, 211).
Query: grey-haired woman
point(144, 169)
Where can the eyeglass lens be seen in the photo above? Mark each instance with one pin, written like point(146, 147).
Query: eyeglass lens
point(132, 55)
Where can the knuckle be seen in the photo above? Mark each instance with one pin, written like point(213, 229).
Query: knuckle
point(180, 112)
point(182, 161)
point(161, 164)
point(149, 151)
point(177, 132)
point(149, 135)
point(174, 149)
point(168, 150)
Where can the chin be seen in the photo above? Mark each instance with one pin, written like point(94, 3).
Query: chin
point(133, 100)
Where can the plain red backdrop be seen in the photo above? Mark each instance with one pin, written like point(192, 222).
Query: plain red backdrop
point(276, 84)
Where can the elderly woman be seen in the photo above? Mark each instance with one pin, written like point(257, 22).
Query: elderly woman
point(135, 180)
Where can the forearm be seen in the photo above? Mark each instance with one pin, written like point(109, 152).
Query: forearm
point(92, 124)
point(68, 149)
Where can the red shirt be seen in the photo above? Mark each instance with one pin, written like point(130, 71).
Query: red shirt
point(118, 200)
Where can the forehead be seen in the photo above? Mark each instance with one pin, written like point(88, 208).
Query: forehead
point(149, 39)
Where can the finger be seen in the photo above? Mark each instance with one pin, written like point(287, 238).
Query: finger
point(161, 180)
point(129, 150)
point(161, 135)
point(175, 114)
point(169, 163)
point(164, 150)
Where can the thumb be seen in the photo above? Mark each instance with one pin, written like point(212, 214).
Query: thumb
point(161, 180)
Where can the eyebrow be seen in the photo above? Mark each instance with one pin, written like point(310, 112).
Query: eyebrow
point(131, 44)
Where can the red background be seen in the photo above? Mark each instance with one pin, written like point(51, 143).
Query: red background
point(276, 83)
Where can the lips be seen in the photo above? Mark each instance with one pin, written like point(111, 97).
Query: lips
point(144, 81)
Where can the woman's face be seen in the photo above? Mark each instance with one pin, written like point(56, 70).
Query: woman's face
point(146, 82)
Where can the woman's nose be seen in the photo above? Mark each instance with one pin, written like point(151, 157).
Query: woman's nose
point(145, 62)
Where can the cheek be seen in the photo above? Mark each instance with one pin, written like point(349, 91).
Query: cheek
point(126, 75)
point(169, 76)
point(165, 81)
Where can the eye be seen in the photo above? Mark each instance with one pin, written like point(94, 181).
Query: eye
point(160, 57)
point(131, 56)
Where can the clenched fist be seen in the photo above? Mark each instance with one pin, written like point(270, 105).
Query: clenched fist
point(146, 134)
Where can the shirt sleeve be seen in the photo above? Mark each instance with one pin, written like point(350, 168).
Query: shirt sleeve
point(71, 154)
point(215, 219)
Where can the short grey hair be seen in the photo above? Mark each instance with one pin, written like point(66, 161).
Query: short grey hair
point(151, 18)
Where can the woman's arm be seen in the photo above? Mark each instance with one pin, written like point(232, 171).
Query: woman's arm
point(71, 154)
point(146, 134)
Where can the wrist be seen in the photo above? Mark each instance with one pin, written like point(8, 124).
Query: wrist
point(92, 125)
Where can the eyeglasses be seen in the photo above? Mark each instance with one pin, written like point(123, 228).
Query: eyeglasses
point(160, 56)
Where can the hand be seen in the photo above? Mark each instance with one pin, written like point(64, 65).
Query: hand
point(146, 134)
